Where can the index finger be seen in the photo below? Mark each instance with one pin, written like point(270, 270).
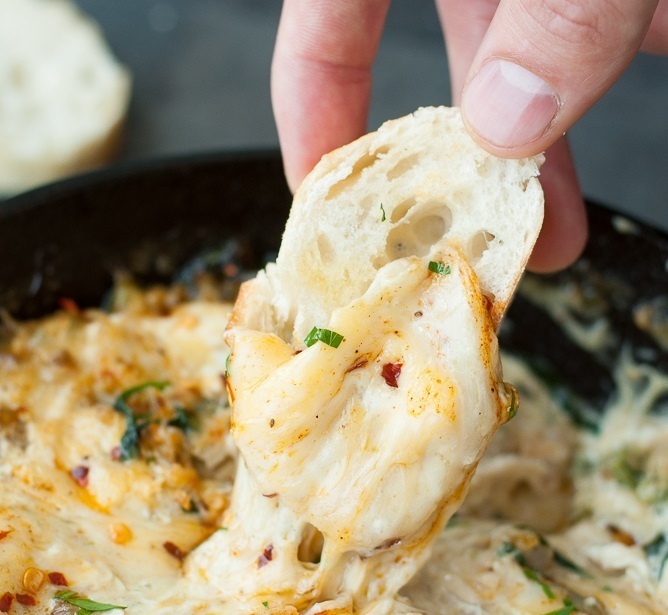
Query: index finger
point(321, 77)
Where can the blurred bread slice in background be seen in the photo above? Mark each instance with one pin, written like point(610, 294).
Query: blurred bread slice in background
point(63, 96)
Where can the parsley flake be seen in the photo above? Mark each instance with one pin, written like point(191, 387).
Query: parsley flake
point(382, 209)
point(567, 609)
point(265, 603)
point(562, 560)
point(183, 419)
point(506, 548)
point(130, 439)
point(531, 574)
point(439, 268)
point(128, 393)
point(514, 401)
point(657, 555)
point(85, 605)
point(331, 338)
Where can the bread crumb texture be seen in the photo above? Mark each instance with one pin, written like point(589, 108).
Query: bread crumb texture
point(418, 183)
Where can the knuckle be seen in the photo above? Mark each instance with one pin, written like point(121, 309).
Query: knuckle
point(576, 22)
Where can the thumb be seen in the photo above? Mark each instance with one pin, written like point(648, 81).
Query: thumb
point(543, 64)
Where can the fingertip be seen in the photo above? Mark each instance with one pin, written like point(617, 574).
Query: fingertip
point(294, 172)
point(559, 245)
point(565, 229)
point(321, 77)
point(293, 180)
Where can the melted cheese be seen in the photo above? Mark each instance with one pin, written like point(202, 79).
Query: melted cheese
point(330, 444)
point(317, 535)
point(59, 380)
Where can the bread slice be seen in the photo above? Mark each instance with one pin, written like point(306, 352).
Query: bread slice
point(416, 184)
point(405, 247)
point(63, 97)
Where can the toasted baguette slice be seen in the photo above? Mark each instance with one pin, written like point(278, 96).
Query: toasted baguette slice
point(420, 182)
point(371, 434)
point(63, 97)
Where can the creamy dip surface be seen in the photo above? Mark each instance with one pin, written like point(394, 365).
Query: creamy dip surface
point(122, 489)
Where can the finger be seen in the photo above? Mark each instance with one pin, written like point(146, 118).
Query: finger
point(543, 64)
point(564, 231)
point(464, 23)
point(656, 40)
point(321, 77)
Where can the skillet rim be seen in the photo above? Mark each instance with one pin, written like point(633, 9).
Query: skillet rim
point(639, 254)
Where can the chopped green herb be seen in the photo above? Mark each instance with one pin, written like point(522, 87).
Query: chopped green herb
point(628, 466)
point(557, 556)
point(85, 605)
point(382, 209)
point(227, 366)
point(625, 468)
point(657, 555)
point(439, 268)
point(505, 548)
point(130, 439)
point(128, 393)
point(567, 609)
point(531, 574)
point(514, 402)
point(184, 419)
point(331, 338)
point(192, 507)
point(565, 562)
point(265, 603)
point(129, 444)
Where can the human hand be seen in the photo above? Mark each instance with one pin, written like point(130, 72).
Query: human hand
point(524, 71)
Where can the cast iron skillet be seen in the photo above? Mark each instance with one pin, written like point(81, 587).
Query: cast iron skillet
point(66, 240)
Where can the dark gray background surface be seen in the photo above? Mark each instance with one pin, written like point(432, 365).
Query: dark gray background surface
point(201, 83)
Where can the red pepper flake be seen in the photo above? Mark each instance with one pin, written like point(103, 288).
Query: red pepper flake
point(391, 373)
point(116, 453)
point(174, 550)
point(4, 533)
point(58, 578)
point(266, 557)
point(26, 599)
point(231, 270)
point(6, 602)
point(69, 305)
point(619, 535)
point(272, 422)
point(80, 475)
